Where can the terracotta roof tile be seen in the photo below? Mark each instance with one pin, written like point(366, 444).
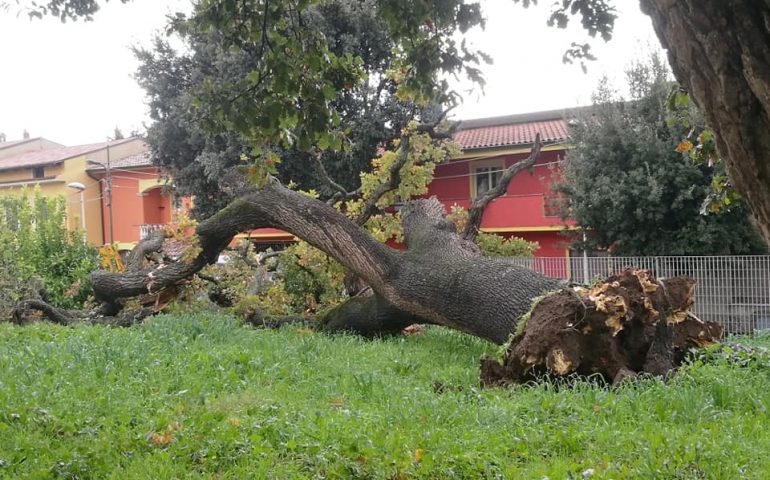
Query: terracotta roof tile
point(47, 157)
point(554, 130)
point(132, 161)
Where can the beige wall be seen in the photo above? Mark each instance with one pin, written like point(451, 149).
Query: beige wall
point(58, 176)
point(72, 170)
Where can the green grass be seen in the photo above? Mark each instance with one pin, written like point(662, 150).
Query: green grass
point(224, 401)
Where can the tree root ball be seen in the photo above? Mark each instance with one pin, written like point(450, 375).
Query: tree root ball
point(628, 324)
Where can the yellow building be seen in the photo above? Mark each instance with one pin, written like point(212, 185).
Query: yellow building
point(60, 170)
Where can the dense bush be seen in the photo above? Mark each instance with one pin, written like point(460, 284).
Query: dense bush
point(37, 251)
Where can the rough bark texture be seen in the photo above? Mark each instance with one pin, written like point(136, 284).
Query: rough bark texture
point(719, 51)
point(24, 313)
point(440, 278)
point(626, 325)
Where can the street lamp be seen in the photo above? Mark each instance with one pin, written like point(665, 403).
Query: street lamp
point(81, 188)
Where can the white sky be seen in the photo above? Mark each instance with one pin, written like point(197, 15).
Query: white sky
point(72, 83)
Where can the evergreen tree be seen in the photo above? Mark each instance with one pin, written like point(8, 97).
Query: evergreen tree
point(628, 188)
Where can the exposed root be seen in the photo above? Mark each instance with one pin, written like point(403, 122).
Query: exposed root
point(626, 325)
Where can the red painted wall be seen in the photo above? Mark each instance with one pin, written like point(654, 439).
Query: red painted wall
point(130, 207)
point(156, 206)
point(552, 244)
point(522, 207)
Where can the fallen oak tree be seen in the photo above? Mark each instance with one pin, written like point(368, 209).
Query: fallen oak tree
point(617, 328)
point(440, 278)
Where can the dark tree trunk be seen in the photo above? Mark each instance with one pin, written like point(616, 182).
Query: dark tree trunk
point(719, 51)
point(440, 278)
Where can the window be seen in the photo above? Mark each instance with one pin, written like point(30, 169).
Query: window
point(486, 177)
point(38, 172)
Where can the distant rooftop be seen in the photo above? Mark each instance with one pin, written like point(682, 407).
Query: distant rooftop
point(512, 130)
point(51, 156)
point(132, 161)
point(40, 158)
point(13, 143)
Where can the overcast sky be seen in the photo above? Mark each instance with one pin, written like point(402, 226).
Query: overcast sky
point(72, 82)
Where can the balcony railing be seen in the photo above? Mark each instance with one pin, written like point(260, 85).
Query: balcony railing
point(148, 229)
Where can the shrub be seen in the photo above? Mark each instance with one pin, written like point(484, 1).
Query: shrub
point(37, 248)
point(493, 245)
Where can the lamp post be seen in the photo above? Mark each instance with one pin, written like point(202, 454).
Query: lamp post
point(81, 188)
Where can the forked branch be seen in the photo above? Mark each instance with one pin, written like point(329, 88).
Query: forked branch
point(476, 211)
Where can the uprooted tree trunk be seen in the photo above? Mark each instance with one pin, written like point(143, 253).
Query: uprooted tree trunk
point(623, 326)
point(441, 278)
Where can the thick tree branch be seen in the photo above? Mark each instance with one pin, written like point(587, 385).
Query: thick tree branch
point(273, 206)
point(137, 256)
point(71, 317)
point(476, 211)
point(394, 172)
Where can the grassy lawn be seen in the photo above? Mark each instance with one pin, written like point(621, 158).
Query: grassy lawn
point(201, 397)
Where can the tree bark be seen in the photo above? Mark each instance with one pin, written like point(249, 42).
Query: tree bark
point(719, 51)
point(440, 278)
point(22, 314)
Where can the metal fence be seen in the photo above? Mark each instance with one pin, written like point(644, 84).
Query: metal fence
point(731, 290)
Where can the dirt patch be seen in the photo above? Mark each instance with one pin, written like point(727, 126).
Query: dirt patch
point(628, 324)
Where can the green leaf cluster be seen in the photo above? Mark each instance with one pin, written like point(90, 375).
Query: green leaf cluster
point(631, 190)
point(37, 249)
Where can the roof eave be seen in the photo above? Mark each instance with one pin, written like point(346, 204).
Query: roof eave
point(32, 165)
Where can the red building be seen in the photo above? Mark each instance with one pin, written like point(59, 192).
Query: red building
point(488, 146)
point(142, 201)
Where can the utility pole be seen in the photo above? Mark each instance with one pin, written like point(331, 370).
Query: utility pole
point(108, 192)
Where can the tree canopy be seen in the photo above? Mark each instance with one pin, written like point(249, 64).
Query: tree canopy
point(631, 191)
point(205, 161)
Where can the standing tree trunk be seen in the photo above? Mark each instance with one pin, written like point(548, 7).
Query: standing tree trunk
point(719, 51)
